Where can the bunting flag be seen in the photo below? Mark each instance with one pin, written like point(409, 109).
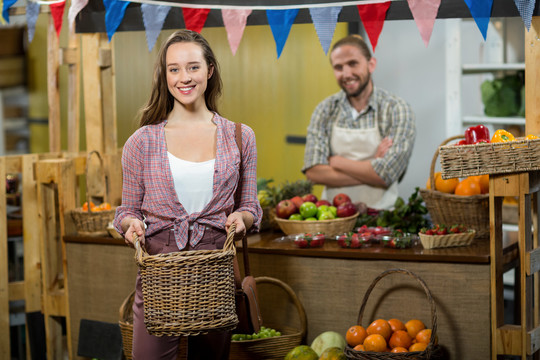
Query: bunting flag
point(114, 13)
point(424, 13)
point(2, 20)
point(57, 12)
point(481, 12)
point(195, 18)
point(32, 12)
point(280, 22)
point(5, 9)
point(153, 18)
point(74, 9)
point(373, 16)
point(235, 23)
point(325, 20)
point(525, 8)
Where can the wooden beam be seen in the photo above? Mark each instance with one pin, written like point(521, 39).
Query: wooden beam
point(509, 340)
point(53, 88)
point(74, 92)
point(4, 273)
point(532, 78)
point(16, 290)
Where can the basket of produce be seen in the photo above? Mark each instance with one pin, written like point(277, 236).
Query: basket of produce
point(188, 292)
point(272, 342)
point(503, 154)
point(91, 219)
point(411, 340)
point(455, 201)
point(438, 237)
point(327, 227)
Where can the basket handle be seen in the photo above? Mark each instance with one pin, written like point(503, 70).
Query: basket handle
point(426, 290)
point(126, 305)
point(140, 252)
point(103, 172)
point(436, 155)
point(292, 295)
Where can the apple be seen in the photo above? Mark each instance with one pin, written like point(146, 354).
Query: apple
point(308, 209)
point(310, 197)
point(340, 199)
point(285, 208)
point(321, 209)
point(296, 216)
point(326, 215)
point(333, 210)
point(310, 219)
point(297, 200)
point(323, 202)
point(346, 209)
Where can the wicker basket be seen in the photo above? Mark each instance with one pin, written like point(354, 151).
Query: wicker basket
point(433, 351)
point(188, 292)
point(273, 348)
point(92, 223)
point(471, 211)
point(328, 227)
point(444, 241)
point(492, 158)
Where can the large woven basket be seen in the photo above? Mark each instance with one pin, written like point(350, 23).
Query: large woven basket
point(328, 227)
point(450, 209)
point(493, 158)
point(188, 292)
point(273, 348)
point(433, 350)
point(89, 222)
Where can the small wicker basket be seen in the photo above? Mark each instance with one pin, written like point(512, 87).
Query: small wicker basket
point(88, 222)
point(449, 240)
point(449, 209)
point(188, 292)
point(433, 350)
point(328, 227)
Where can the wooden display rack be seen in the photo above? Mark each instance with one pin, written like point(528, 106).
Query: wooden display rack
point(523, 339)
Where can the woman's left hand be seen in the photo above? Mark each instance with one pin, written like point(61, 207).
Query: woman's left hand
point(238, 219)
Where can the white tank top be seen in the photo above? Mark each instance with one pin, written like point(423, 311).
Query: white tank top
point(193, 182)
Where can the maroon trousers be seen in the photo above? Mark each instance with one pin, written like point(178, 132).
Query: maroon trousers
point(213, 346)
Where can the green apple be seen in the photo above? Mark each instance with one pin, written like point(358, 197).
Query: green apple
point(333, 210)
point(327, 215)
point(321, 209)
point(296, 216)
point(308, 209)
point(310, 219)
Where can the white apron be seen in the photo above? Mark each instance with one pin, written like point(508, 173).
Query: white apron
point(359, 144)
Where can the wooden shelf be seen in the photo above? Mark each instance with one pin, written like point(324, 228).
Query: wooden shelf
point(482, 119)
point(486, 68)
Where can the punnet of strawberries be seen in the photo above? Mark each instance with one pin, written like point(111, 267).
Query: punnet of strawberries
point(440, 229)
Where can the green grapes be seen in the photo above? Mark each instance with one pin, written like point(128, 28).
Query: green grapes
point(263, 333)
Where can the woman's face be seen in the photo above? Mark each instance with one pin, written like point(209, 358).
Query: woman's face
point(187, 73)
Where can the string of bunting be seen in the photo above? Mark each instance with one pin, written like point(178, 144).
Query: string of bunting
point(280, 18)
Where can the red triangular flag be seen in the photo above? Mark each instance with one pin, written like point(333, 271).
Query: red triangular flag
point(373, 16)
point(57, 12)
point(195, 18)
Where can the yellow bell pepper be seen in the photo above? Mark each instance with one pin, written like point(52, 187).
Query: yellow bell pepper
point(502, 136)
point(531, 137)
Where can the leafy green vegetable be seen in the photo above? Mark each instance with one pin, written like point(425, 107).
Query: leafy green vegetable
point(502, 96)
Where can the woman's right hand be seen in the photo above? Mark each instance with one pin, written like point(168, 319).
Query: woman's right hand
point(132, 226)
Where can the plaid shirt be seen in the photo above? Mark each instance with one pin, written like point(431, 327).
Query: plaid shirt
point(148, 187)
point(392, 115)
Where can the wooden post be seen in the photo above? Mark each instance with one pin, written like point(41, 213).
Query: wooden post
point(72, 58)
point(4, 281)
point(532, 78)
point(52, 87)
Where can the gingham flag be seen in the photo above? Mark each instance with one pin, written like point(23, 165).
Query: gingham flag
point(32, 12)
point(325, 20)
point(525, 8)
point(153, 18)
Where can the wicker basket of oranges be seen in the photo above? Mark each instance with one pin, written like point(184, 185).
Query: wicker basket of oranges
point(464, 205)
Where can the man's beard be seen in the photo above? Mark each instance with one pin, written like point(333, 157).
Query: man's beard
point(361, 88)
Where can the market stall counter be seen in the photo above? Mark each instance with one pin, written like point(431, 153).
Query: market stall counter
point(330, 282)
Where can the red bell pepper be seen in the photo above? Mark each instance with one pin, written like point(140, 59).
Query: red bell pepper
point(477, 134)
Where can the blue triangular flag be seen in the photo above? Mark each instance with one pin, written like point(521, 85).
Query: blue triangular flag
point(525, 8)
point(153, 19)
point(32, 12)
point(5, 11)
point(114, 13)
point(325, 20)
point(481, 12)
point(280, 22)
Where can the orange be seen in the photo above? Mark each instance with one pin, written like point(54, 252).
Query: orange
point(447, 186)
point(105, 206)
point(423, 336)
point(435, 176)
point(380, 326)
point(399, 349)
point(355, 335)
point(85, 206)
point(359, 347)
point(375, 342)
point(400, 338)
point(414, 326)
point(418, 347)
point(396, 324)
point(483, 181)
point(468, 187)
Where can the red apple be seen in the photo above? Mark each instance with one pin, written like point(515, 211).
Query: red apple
point(346, 209)
point(340, 199)
point(323, 202)
point(297, 200)
point(310, 197)
point(285, 208)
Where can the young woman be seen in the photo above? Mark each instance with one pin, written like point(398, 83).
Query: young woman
point(181, 169)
